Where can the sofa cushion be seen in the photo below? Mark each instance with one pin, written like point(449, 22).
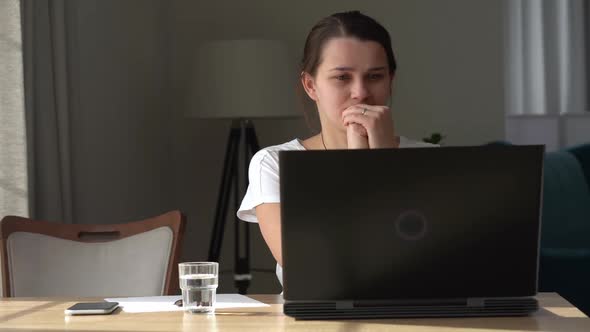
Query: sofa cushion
point(566, 203)
point(582, 153)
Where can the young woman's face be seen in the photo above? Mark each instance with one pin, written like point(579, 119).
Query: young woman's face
point(351, 72)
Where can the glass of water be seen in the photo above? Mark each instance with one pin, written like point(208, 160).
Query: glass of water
point(198, 282)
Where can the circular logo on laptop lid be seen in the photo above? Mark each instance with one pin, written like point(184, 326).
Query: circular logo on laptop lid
point(411, 225)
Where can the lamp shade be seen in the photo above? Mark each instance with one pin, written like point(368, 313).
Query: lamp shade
point(247, 79)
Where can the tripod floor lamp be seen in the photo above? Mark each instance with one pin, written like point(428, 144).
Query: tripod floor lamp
point(240, 80)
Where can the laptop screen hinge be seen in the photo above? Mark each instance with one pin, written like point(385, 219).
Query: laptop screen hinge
point(344, 305)
point(475, 302)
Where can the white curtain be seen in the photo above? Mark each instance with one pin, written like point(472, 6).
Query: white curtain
point(545, 57)
point(13, 148)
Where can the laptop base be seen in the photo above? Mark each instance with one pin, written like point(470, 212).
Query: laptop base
point(360, 310)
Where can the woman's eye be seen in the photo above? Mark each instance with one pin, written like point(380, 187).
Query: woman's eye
point(375, 77)
point(342, 77)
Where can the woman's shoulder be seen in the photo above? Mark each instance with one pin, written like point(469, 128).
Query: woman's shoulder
point(273, 150)
point(270, 154)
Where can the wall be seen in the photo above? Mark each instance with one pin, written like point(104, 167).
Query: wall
point(120, 125)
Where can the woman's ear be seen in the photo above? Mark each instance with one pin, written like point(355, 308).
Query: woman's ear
point(308, 85)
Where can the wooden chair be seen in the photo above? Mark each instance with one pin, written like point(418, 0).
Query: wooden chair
point(41, 258)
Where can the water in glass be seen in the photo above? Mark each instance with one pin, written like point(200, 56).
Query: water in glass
point(198, 292)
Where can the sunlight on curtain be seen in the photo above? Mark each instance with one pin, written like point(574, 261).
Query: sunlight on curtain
point(13, 152)
point(545, 57)
point(545, 85)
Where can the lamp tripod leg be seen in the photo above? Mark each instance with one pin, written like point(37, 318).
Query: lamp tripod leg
point(229, 170)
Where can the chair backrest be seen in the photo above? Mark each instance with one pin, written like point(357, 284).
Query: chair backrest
point(41, 258)
point(566, 203)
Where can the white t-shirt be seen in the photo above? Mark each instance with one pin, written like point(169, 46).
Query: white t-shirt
point(263, 175)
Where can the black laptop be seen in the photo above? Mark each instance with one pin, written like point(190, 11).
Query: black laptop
point(415, 232)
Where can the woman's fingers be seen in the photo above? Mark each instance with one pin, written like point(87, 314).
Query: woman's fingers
point(376, 121)
point(366, 110)
point(367, 122)
point(358, 129)
point(354, 139)
point(369, 116)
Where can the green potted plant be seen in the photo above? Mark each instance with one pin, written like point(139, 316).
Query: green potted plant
point(435, 138)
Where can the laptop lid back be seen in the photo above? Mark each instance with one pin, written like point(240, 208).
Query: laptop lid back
point(419, 223)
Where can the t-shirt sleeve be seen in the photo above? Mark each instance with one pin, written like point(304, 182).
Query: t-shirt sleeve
point(263, 175)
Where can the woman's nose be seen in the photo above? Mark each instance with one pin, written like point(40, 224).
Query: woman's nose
point(359, 91)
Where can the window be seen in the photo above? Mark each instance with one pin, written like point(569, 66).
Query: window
point(547, 72)
point(587, 39)
point(13, 151)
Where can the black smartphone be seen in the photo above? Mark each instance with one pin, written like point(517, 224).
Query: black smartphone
point(92, 308)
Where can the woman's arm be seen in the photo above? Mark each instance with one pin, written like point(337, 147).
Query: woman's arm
point(269, 219)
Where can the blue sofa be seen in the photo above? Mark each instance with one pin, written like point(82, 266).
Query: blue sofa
point(565, 226)
point(564, 262)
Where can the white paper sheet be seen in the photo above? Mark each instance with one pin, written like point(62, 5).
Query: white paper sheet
point(166, 303)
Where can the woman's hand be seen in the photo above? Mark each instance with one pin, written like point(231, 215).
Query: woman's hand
point(356, 136)
point(376, 123)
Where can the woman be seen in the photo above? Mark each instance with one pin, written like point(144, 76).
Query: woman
point(347, 69)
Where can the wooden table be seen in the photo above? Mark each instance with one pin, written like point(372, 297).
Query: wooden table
point(47, 314)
